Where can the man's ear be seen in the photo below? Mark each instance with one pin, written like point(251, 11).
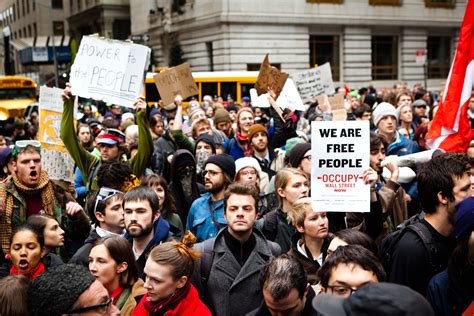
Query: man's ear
point(156, 216)
point(442, 199)
point(100, 217)
point(14, 166)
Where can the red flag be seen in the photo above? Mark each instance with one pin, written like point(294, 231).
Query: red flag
point(451, 128)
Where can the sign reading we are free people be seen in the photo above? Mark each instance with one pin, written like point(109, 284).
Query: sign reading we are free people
point(340, 154)
point(109, 70)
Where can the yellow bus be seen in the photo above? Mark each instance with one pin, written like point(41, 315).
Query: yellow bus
point(16, 93)
point(234, 84)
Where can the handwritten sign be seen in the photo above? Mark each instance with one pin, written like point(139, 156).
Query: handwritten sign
point(289, 98)
point(341, 153)
point(314, 82)
point(270, 76)
point(55, 157)
point(109, 70)
point(174, 81)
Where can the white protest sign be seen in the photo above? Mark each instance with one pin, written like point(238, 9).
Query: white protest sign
point(341, 153)
point(288, 98)
point(313, 82)
point(55, 158)
point(109, 70)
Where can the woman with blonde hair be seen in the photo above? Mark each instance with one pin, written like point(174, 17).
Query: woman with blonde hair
point(168, 270)
point(311, 241)
point(290, 185)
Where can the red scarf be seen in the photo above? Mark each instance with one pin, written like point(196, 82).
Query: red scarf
point(168, 303)
point(30, 274)
point(115, 294)
point(244, 144)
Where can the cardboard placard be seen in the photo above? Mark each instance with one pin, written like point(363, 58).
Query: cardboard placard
point(176, 81)
point(289, 98)
point(270, 76)
point(109, 70)
point(341, 153)
point(55, 157)
point(314, 82)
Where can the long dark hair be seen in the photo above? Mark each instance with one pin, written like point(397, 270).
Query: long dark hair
point(153, 180)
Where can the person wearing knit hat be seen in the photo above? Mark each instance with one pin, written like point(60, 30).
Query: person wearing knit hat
point(206, 215)
point(300, 158)
point(222, 122)
point(248, 171)
point(464, 224)
point(195, 111)
point(256, 128)
point(68, 289)
point(385, 118)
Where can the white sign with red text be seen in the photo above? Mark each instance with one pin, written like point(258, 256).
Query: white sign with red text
point(340, 153)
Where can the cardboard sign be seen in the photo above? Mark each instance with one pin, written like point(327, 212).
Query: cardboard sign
point(314, 82)
point(289, 98)
point(55, 157)
point(270, 76)
point(176, 81)
point(109, 70)
point(341, 153)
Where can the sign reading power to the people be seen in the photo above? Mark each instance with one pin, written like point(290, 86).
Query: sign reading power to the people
point(340, 153)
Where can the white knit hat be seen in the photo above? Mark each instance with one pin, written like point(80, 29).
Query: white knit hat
point(382, 110)
point(245, 162)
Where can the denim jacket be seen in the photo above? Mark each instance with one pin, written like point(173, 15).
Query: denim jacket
point(199, 220)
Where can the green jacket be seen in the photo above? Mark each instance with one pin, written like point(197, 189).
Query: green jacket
point(182, 140)
point(77, 228)
point(87, 162)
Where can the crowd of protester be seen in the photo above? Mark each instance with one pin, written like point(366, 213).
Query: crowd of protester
point(205, 209)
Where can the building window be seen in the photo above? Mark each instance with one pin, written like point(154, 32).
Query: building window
point(57, 4)
point(210, 55)
point(386, 2)
point(323, 49)
point(14, 12)
point(325, 1)
point(58, 28)
point(29, 31)
point(439, 56)
point(27, 6)
point(35, 30)
point(440, 3)
point(23, 7)
point(384, 57)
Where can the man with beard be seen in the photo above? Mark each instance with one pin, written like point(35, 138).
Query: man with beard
point(443, 182)
point(388, 207)
point(258, 137)
point(145, 228)
point(29, 191)
point(206, 216)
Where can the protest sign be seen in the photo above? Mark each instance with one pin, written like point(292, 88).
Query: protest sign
point(289, 98)
point(336, 102)
point(270, 76)
point(55, 158)
point(109, 70)
point(175, 81)
point(314, 82)
point(341, 153)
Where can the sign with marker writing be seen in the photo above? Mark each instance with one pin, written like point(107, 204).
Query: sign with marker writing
point(109, 70)
point(289, 98)
point(270, 76)
point(176, 81)
point(55, 157)
point(340, 154)
point(314, 82)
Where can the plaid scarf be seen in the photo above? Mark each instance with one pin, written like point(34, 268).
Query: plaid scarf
point(6, 205)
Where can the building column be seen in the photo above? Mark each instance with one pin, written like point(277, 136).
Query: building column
point(411, 41)
point(356, 55)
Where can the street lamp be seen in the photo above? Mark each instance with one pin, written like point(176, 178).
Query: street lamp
point(50, 9)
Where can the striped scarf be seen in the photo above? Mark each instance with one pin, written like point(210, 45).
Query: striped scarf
point(6, 205)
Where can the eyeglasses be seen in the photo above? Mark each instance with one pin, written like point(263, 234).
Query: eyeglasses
point(102, 308)
point(211, 173)
point(307, 157)
point(342, 290)
point(105, 194)
point(21, 145)
point(248, 172)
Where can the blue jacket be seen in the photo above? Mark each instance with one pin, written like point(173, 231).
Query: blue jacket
point(233, 148)
point(402, 146)
point(199, 220)
point(79, 186)
point(437, 294)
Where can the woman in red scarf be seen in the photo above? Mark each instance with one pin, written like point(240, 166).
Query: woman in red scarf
point(26, 250)
point(112, 262)
point(170, 293)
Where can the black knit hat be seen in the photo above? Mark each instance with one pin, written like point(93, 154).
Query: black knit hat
point(208, 140)
point(225, 162)
point(297, 154)
point(57, 289)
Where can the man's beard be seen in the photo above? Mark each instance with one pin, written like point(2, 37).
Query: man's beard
point(141, 232)
point(216, 187)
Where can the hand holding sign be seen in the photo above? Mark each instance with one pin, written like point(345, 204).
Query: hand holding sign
point(140, 105)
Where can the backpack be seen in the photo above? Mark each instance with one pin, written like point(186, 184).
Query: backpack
point(413, 224)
